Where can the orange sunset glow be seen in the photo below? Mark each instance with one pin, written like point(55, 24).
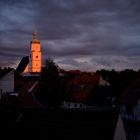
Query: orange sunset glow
point(35, 59)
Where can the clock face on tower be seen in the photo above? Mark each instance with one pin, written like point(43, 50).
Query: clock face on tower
point(36, 56)
point(35, 47)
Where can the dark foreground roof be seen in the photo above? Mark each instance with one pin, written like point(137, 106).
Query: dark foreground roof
point(22, 65)
point(100, 96)
point(68, 125)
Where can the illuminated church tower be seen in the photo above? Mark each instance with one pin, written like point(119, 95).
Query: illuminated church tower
point(35, 58)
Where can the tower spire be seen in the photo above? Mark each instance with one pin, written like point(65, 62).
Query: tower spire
point(35, 35)
point(35, 38)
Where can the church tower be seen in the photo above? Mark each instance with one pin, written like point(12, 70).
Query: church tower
point(35, 58)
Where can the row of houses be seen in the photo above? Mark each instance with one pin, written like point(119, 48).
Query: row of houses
point(89, 92)
point(81, 91)
point(14, 87)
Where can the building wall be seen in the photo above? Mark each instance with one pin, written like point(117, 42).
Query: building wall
point(120, 131)
point(69, 105)
point(102, 82)
point(7, 82)
point(135, 115)
point(136, 110)
point(35, 46)
point(36, 57)
point(26, 69)
point(36, 61)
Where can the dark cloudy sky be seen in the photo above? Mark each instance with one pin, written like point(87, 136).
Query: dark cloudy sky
point(77, 34)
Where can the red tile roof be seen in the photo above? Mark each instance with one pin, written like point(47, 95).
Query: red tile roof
point(80, 87)
point(26, 94)
point(26, 86)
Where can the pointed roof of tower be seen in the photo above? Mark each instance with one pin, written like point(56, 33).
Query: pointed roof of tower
point(35, 38)
point(23, 64)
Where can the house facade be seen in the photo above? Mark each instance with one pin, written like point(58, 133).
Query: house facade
point(130, 109)
point(79, 89)
point(7, 82)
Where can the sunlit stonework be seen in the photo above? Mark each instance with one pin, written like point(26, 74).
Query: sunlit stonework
point(35, 58)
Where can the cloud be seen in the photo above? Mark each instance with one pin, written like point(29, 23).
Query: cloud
point(81, 34)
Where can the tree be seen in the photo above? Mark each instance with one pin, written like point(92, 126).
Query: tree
point(49, 84)
point(50, 71)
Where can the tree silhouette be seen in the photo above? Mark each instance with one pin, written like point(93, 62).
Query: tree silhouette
point(49, 85)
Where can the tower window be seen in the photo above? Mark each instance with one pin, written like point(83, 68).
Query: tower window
point(36, 56)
